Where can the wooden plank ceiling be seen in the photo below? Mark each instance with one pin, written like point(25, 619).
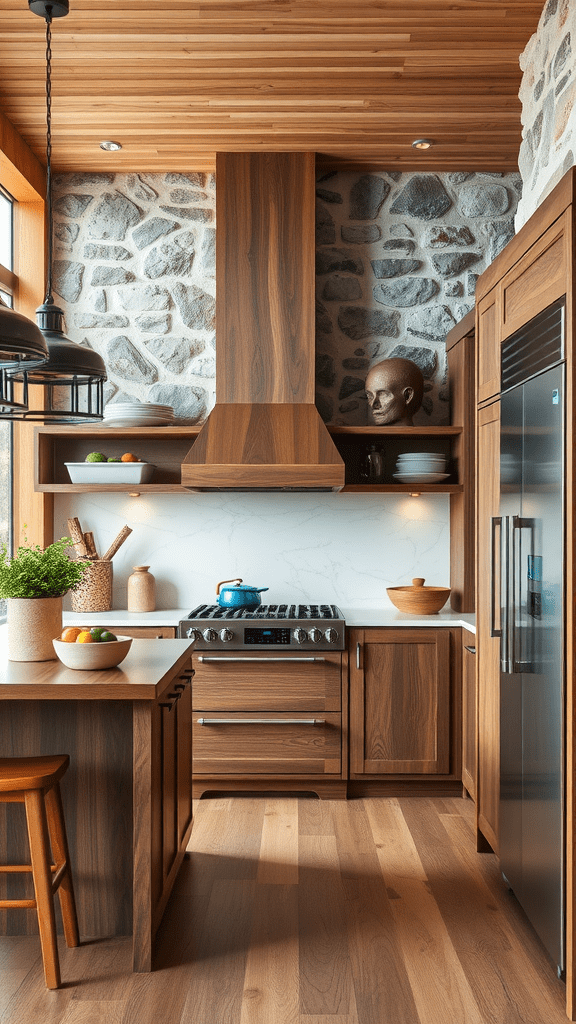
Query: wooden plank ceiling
point(356, 81)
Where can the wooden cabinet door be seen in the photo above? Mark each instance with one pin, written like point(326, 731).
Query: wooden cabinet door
point(400, 702)
point(488, 646)
point(469, 714)
point(488, 338)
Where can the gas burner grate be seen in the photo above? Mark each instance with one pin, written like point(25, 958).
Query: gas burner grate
point(268, 611)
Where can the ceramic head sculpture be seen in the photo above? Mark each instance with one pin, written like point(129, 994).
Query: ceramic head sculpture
point(394, 389)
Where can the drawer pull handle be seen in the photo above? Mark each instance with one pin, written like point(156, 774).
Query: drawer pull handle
point(471, 649)
point(290, 661)
point(261, 721)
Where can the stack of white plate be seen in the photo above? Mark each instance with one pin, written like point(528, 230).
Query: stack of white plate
point(421, 468)
point(137, 414)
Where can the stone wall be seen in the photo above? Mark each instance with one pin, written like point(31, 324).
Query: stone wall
point(135, 269)
point(548, 95)
point(397, 259)
point(398, 256)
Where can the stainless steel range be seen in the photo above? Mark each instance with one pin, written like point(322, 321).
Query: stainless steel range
point(276, 627)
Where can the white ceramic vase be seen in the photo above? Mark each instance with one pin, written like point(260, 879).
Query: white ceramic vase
point(33, 623)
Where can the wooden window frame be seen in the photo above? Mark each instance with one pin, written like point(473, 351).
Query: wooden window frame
point(22, 175)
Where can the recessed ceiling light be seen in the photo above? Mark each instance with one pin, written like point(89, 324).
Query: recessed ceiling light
point(110, 147)
point(422, 143)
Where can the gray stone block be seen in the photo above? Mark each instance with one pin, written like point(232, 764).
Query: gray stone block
point(358, 363)
point(92, 251)
point(197, 178)
point(160, 323)
point(367, 196)
point(324, 226)
point(68, 279)
point(88, 321)
point(144, 296)
point(329, 260)
point(110, 276)
point(328, 197)
point(151, 229)
point(402, 244)
point(351, 386)
point(124, 360)
point(360, 234)
point(423, 197)
point(174, 353)
point(431, 324)
point(345, 289)
point(67, 233)
point(450, 264)
point(189, 213)
point(442, 235)
point(141, 189)
point(197, 308)
point(323, 321)
point(325, 371)
point(394, 268)
point(486, 201)
point(358, 322)
point(172, 257)
point(113, 216)
point(409, 291)
point(71, 205)
point(187, 400)
point(325, 407)
point(208, 251)
point(187, 195)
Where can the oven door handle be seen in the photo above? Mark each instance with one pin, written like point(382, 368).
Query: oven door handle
point(206, 660)
point(261, 721)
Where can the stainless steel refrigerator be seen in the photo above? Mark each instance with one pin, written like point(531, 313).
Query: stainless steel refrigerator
point(531, 584)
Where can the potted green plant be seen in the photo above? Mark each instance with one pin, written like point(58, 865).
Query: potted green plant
point(33, 583)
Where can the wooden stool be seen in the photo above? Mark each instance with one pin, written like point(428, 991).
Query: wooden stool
point(34, 781)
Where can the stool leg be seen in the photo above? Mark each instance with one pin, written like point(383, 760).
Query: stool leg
point(59, 843)
point(42, 875)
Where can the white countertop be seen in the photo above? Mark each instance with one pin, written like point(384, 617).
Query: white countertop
point(120, 617)
point(353, 617)
point(390, 617)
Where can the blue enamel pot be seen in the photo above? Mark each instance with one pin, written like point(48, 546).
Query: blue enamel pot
point(238, 595)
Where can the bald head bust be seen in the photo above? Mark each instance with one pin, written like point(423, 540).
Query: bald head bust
point(394, 389)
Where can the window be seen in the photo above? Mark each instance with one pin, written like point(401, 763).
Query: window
point(6, 292)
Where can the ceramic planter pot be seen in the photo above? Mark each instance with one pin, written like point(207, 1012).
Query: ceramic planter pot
point(33, 622)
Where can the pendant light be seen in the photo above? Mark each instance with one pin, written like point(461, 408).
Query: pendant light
point(73, 378)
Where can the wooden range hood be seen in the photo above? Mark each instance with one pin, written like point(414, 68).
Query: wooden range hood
point(265, 432)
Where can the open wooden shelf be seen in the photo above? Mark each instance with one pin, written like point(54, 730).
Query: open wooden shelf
point(166, 447)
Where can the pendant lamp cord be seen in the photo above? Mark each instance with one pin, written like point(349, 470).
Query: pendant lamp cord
point(49, 299)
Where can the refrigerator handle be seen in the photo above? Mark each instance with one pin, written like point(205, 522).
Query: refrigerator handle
point(517, 664)
point(496, 521)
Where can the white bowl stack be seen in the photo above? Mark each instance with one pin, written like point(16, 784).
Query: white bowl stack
point(137, 414)
point(421, 468)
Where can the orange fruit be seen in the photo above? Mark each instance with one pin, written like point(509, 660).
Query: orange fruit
point(69, 634)
point(85, 637)
point(128, 457)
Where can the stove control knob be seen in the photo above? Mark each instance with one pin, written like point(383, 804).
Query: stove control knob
point(332, 635)
point(226, 635)
point(300, 636)
point(210, 635)
point(315, 635)
point(193, 634)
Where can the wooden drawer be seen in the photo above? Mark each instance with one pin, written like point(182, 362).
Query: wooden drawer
point(237, 681)
point(275, 745)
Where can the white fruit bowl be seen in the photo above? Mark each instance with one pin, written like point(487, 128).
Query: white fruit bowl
point(110, 472)
point(90, 657)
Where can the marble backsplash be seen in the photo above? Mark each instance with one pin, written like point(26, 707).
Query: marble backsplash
point(342, 549)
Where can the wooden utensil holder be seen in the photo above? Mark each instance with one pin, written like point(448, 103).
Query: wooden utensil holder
point(94, 592)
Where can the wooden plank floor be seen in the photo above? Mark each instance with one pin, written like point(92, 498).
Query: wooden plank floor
point(299, 911)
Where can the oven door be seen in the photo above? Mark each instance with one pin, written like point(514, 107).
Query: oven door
point(263, 714)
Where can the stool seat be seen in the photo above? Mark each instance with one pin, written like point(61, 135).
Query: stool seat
point(35, 782)
point(17, 773)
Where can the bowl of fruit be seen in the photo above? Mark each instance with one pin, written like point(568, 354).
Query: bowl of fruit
point(91, 649)
point(99, 468)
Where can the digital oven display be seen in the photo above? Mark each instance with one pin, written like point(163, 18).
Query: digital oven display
point(260, 636)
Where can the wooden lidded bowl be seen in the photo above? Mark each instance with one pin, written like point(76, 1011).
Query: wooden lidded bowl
point(418, 599)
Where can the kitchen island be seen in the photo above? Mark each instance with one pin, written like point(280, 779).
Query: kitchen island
point(128, 792)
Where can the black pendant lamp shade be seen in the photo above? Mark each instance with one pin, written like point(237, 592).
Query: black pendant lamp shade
point(21, 341)
point(72, 379)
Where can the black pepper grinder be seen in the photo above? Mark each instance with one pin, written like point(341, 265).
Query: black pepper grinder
point(373, 469)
